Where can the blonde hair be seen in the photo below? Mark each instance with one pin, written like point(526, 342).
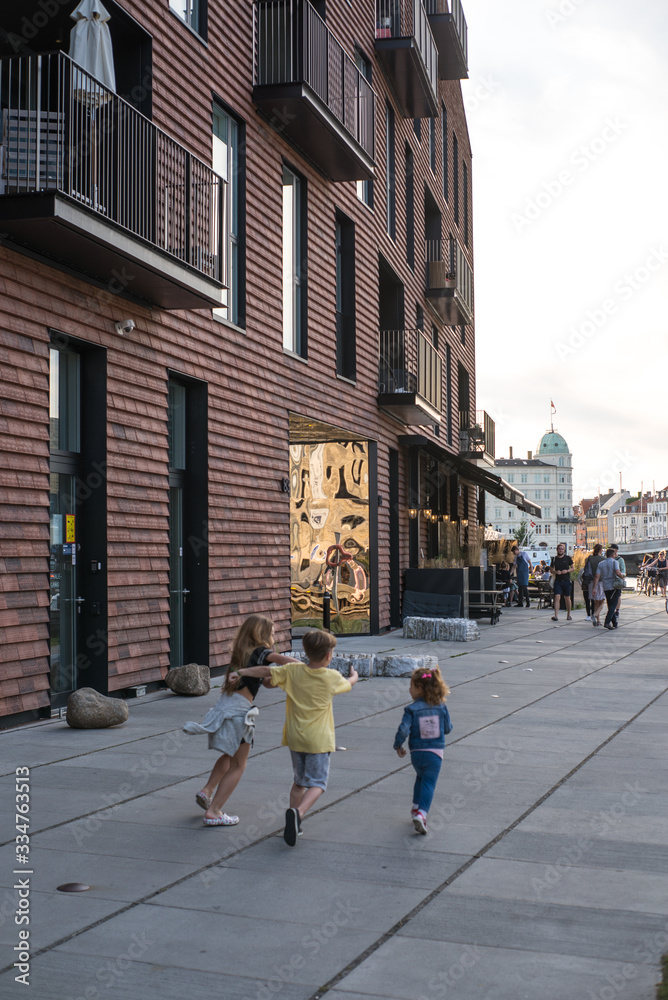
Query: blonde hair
point(430, 684)
point(317, 644)
point(662, 554)
point(255, 631)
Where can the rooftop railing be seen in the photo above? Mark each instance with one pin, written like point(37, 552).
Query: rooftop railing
point(64, 132)
point(294, 45)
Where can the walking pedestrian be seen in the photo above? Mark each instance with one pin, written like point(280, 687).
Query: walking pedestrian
point(606, 572)
point(309, 721)
point(596, 592)
point(560, 568)
point(426, 723)
point(523, 565)
point(659, 568)
point(230, 723)
point(622, 569)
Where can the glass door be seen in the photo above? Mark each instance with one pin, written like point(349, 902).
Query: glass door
point(65, 603)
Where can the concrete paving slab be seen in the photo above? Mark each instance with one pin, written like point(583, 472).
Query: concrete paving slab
point(592, 850)
point(54, 916)
point(55, 977)
point(577, 885)
point(205, 942)
point(406, 969)
point(561, 930)
point(306, 899)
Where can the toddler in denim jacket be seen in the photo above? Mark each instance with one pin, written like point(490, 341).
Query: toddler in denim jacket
point(425, 723)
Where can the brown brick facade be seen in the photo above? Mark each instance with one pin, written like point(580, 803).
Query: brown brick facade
point(252, 384)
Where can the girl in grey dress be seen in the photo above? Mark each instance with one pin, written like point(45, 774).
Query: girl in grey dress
point(230, 723)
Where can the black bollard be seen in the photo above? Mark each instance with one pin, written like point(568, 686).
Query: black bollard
point(326, 610)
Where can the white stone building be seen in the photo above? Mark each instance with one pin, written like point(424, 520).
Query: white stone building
point(547, 480)
point(657, 515)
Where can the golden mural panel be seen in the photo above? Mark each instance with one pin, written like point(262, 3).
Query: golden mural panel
point(329, 534)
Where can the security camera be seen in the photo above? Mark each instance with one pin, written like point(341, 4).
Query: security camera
point(125, 326)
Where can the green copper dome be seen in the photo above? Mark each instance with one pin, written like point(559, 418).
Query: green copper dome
point(552, 443)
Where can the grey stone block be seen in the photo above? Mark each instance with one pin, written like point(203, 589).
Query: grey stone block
point(88, 709)
point(402, 666)
point(191, 678)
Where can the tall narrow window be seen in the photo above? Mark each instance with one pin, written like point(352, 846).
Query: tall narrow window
point(465, 200)
point(390, 209)
point(448, 389)
point(227, 161)
point(455, 176)
point(294, 263)
point(193, 12)
point(419, 317)
point(410, 209)
point(364, 188)
point(345, 296)
point(417, 128)
point(432, 144)
point(444, 139)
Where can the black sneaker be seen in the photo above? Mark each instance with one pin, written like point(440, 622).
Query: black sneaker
point(291, 827)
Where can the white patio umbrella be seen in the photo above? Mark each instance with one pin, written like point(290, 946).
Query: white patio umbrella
point(91, 48)
point(90, 41)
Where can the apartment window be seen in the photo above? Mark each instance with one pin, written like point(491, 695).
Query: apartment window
point(410, 209)
point(511, 477)
point(294, 262)
point(455, 176)
point(390, 212)
point(547, 512)
point(548, 530)
point(562, 495)
point(417, 128)
point(345, 297)
point(227, 161)
point(546, 479)
point(462, 335)
point(524, 478)
point(539, 529)
point(562, 512)
point(561, 460)
point(448, 389)
point(537, 494)
point(364, 188)
point(465, 199)
point(419, 317)
point(193, 12)
point(497, 514)
point(511, 514)
point(444, 152)
point(432, 144)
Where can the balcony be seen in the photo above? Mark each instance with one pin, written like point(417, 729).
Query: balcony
point(449, 282)
point(476, 437)
point(410, 377)
point(92, 185)
point(311, 91)
point(406, 49)
point(448, 26)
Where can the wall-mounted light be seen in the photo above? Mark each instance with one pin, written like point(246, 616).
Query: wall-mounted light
point(380, 499)
point(285, 484)
point(124, 326)
point(427, 512)
point(413, 513)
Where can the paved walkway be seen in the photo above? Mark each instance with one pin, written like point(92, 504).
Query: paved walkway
point(544, 875)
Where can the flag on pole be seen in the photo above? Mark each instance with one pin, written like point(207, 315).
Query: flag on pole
point(554, 409)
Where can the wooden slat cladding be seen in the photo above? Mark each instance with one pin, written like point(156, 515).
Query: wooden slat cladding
point(252, 384)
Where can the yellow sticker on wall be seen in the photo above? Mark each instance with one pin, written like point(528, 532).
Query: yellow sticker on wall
point(70, 528)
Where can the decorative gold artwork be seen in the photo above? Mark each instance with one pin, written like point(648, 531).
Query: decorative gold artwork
point(329, 536)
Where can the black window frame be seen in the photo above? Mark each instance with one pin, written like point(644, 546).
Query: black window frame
point(346, 345)
point(390, 172)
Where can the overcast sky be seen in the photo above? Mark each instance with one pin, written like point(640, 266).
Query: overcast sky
point(566, 105)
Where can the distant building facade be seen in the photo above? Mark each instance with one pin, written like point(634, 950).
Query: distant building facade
point(547, 480)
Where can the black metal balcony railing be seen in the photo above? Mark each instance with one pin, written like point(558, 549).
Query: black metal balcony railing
point(477, 433)
point(294, 45)
point(455, 10)
point(63, 132)
point(409, 363)
point(449, 273)
point(407, 19)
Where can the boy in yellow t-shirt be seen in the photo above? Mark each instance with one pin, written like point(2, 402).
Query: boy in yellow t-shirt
point(309, 721)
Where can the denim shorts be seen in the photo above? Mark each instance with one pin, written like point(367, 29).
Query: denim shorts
point(562, 585)
point(311, 770)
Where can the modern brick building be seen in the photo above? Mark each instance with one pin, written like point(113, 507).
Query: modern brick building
point(236, 324)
